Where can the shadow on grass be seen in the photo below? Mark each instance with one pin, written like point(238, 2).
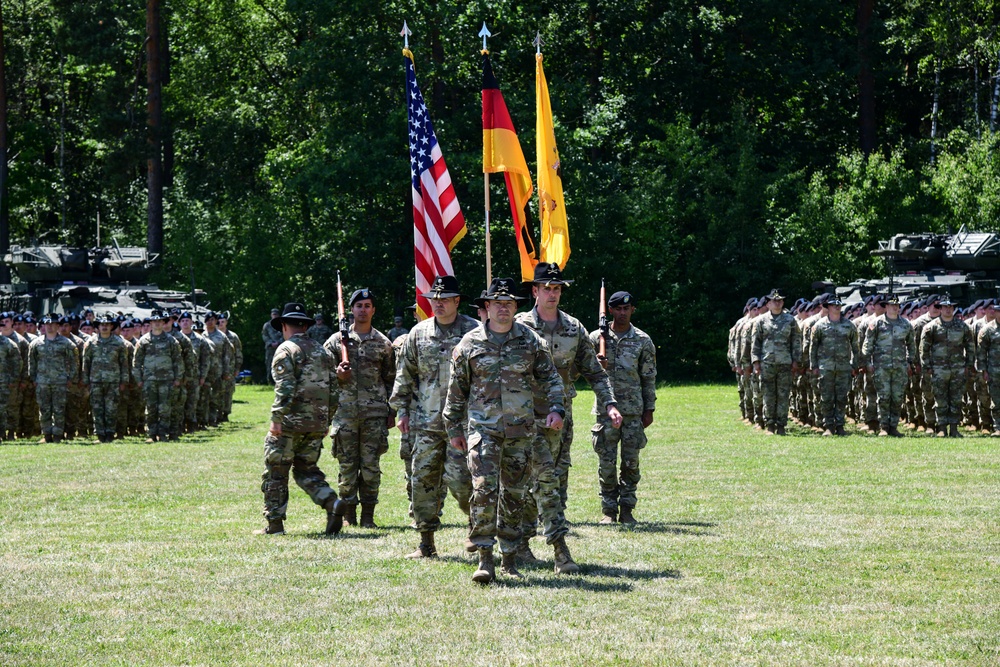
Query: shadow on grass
point(669, 527)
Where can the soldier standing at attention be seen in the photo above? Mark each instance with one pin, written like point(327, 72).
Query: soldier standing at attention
point(495, 371)
point(418, 397)
point(226, 355)
point(272, 339)
point(891, 354)
point(362, 420)
point(947, 355)
point(237, 365)
point(776, 348)
point(10, 377)
point(16, 398)
point(202, 355)
point(178, 397)
point(631, 365)
point(159, 367)
point(52, 367)
point(988, 363)
point(573, 354)
point(926, 391)
point(105, 373)
point(319, 332)
point(397, 329)
point(834, 357)
point(304, 393)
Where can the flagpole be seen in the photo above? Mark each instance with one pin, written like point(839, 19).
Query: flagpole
point(484, 33)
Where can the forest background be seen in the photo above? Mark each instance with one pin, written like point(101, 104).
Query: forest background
point(710, 150)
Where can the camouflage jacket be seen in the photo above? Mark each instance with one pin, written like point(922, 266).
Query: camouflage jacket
point(493, 386)
point(947, 345)
point(237, 352)
point(105, 360)
point(806, 327)
point(271, 336)
point(776, 339)
point(10, 362)
point(988, 348)
point(373, 371)
point(22, 345)
point(214, 363)
point(319, 333)
point(918, 328)
point(305, 386)
point(130, 355)
point(52, 361)
point(223, 351)
point(396, 332)
point(189, 364)
point(201, 349)
point(422, 370)
point(157, 359)
point(745, 340)
point(631, 369)
point(573, 354)
point(890, 343)
point(833, 346)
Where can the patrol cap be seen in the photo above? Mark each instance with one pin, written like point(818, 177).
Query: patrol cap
point(199, 326)
point(413, 307)
point(275, 311)
point(318, 316)
point(751, 302)
point(761, 302)
point(361, 295)
point(625, 299)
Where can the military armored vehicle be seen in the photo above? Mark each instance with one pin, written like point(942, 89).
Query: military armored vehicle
point(965, 266)
point(60, 279)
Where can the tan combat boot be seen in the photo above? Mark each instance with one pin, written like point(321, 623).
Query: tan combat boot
point(486, 572)
point(625, 515)
point(610, 517)
point(524, 552)
point(508, 565)
point(564, 561)
point(426, 549)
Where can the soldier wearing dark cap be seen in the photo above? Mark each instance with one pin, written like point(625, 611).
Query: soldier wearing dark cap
point(890, 353)
point(106, 374)
point(237, 364)
point(52, 367)
point(418, 396)
point(201, 354)
point(751, 381)
point(319, 332)
point(11, 365)
point(834, 357)
point(947, 355)
point(574, 355)
point(777, 348)
point(226, 353)
point(16, 397)
point(304, 394)
point(362, 421)
point(158, 366)
point(272, 339)
point(630, 361)
point(732, 356)
point(926, 388)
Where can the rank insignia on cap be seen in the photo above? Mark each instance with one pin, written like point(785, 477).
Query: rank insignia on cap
point(625, 300)
point(364, 294)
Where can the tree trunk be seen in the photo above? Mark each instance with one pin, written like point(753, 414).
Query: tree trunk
point(934, 110)
point(4, 216)
point(154, 121)
point(996, 99)
point(866, 77)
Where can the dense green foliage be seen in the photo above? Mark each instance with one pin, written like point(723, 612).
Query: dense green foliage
point(710, 150)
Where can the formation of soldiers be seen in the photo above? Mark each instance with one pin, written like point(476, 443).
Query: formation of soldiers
point(484, 407)
point(877, 363)
point(112, 376)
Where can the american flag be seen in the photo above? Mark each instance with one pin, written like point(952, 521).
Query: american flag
point(438, 223)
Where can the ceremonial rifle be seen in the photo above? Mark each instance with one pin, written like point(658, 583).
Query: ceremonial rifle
point(344, 328)
point(602, 324)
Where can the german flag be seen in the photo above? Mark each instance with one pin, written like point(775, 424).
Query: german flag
point(502, 153)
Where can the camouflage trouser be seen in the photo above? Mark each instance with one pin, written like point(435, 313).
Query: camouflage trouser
point(4, 417)
point(406, 455)
point(775, 385)
point(31, 423)
point(227, 398)
point(136, 408)
point(298, 452)
point(358, 446)
point(756, 399)
point(14, 409)
point(618, 488)
point(178, 399)
point(104, 398)
point(74, 397)
point(994, 391)
point(833, 389)
point(743, 395)
point(870, 398)
point(543, 499)
point(191, 402)
point(927, 398)
point(914, 406)
point(216, 398)
point(204, 398)
point(499, 468)
point(890, 384)
point(268, 358)
point(948, 386)
point(434, 472)
point(51, 407)
point(156, 394)
point(985, 413)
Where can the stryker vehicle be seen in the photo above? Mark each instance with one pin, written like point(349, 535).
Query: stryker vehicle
point(59, 279)
point(965, 266)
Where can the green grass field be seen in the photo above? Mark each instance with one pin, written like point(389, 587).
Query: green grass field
point(752, 550)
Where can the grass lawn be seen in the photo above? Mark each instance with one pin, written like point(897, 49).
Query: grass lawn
point(752, 550)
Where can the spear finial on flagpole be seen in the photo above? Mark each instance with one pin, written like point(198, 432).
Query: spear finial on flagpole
point(538, 43)
point(484, 33)
point(405, 33)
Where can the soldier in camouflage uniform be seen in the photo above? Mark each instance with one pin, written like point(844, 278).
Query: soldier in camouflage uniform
point(890, 353)
point(158, 366)
point(320, 332)
point(106, 373)
point(304, 393)
point(397, 329)
point(212, 377)
point(272, 339)
point(926, 390)
point(418, 397)
point(732, 356)
point(362, 420)
point(630, 361)
point(11, 366)
point(495, 371)
point(28, 419)
point(776, 350)
point(237, 366)
point(17, 390)
point(75, 399)
point(573, 354)
point(947, 354)
point(751, 381)
point(52, 367)
point(406, 439)
point(834, 357)
point(179, 396)
point(227, 358)
point(202, 356)
point(988, 364)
